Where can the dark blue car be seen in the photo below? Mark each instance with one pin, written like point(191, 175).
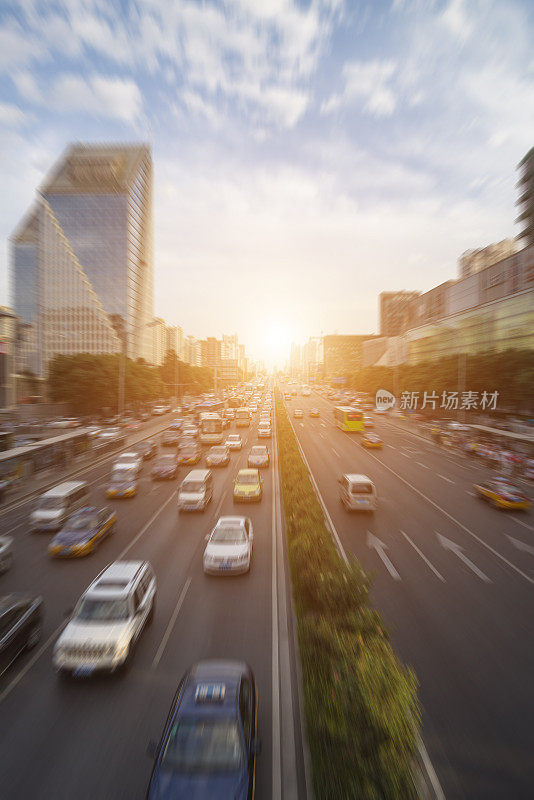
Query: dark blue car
point(209, 745)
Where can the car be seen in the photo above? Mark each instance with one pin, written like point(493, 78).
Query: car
point(229, 546)
point(158, 411)
point(83, 532)
point(131, 424)
point(367, 421)
point(147, 449)
point(170, 438)
point(189, 453)
point(165, 467)
point(264, 431)
point(209, 744)
point(357, 492)
point(248, 486)
point(298, 413)
point(123, 482)
point(258, 456)
point(21, 624)
point(175, 424)
point(234, 441)
point(372, 440)
point(229, 413)
point(131, 459)
point(190, 430)
point(6, 553)
point(502, 494)
point(107, 621)
point(314, 412)
point(218, 456)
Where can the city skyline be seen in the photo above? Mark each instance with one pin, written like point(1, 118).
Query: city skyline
point(305, 159)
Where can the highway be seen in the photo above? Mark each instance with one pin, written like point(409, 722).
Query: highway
point(454, 581)
point(88, 739)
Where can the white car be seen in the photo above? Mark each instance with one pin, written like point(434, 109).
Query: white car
point(367, 422)
point(234, 441)
point(131, 460)
point(264, 431)
point(6, 552)
point(229, 546)
point(107, 621)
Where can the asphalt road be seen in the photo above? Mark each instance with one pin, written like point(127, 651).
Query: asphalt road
point(88, 739)
point(459, 607)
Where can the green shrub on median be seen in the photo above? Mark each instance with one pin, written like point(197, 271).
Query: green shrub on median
point(361, 703)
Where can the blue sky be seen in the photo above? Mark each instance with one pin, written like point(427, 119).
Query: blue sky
point(307, 155)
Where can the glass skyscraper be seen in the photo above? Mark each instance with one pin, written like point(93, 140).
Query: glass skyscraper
point(82, 259)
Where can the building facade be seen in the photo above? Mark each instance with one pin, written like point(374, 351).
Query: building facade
point(396, 312)
point(525, 201)
point(81, 260)
point(474, 260)
point(343, 355)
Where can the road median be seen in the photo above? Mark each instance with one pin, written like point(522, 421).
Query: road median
point(361, 706)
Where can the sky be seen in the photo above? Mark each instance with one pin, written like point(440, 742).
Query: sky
point(307, 155)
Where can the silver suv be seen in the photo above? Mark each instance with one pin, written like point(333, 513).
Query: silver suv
point(107, 621)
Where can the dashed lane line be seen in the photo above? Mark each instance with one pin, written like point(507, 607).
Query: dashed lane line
point(425, 559)
point(170, 626)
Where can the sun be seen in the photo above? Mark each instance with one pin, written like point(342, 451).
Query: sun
point(277, 339)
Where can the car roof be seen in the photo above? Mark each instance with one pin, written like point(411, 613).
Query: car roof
point(197, 474)
point(230, 521)
point(64, 488)
point(116, 578)
point(213, 672)
point(353, 477)
point(248, 471)
point(8, 601)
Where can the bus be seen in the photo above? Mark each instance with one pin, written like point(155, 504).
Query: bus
point(211, 428)
point(348, 419)
point(242, 417)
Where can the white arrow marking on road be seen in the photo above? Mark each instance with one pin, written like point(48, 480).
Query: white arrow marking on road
point(376, 544)
point(526, 548)
point(459, 551)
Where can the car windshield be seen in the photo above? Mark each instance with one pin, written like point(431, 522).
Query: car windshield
point(165, 461)
point(204, 745)
point(50, 504)
point(218, 451)
point(258, 451)
point(82, 522)
point(229, 535)
point(105, 610)
point(234, 438)
point(361, 488)
point(247, 478)
point(192, 486)
point(122, 474)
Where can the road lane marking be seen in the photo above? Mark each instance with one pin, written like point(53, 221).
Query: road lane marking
point(431, 772)
point(170, 626)
point(422, 465)
point(472, 494)
point(524, 524)
point(220, 502)
point(36, 656)
point(447, 544)
point(526, 548)
point(335, 452)
point(18, 677)
point(444, 477)
point(376, 544)
point(425, 559)
point(146, 527)
point(456, 521)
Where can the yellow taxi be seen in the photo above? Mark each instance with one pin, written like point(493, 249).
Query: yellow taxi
point(248, 486)
point(372, 440)
point(83, 532)
point(502, 494)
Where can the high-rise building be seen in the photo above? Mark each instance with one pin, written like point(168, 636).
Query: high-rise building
point(210, 352)
point(192, 351)
point(230, 347)
point(343, 354)
point(81, 260)
point(175, 340)
point(525, 201)
point(159, 341)
point(396, 312)
point(474, 260)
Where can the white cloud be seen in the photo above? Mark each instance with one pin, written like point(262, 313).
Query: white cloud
point(455, 19)
point(11, 116)
point(368, 81)
point(18, 48)
point(27, 87)
point(116, 98)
